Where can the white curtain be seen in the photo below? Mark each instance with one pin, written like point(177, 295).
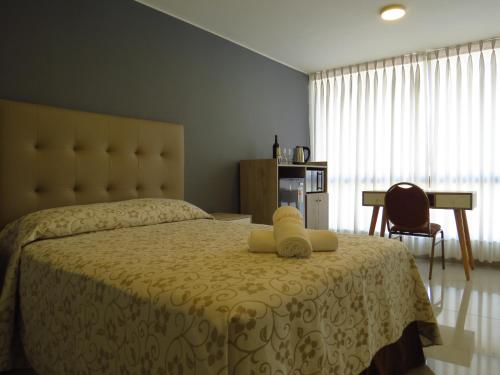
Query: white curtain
point(429, 118)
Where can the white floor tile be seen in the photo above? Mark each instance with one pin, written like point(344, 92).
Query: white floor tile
point(469, 317)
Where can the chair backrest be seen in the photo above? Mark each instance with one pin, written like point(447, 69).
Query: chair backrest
point(407, 206)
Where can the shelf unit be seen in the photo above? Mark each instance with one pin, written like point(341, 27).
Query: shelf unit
point(259, 186)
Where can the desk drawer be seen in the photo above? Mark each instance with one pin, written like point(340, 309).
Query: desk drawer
point(453, 200)
point(373, 198)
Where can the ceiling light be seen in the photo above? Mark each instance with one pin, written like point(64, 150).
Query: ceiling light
point(392, 12)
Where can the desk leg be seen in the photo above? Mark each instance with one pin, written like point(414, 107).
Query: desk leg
point(373, 223)
point(383, 224)
point(463, 243)
point(467, 239)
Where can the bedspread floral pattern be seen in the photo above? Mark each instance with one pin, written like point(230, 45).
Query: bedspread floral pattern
point(66, 221)
point(186, 297)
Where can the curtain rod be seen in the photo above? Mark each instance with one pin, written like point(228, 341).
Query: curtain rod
point(472, 46)
point(462, 45)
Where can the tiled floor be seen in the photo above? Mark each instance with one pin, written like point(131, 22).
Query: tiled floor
point(469, 317)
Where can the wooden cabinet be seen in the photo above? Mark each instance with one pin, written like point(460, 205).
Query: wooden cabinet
point(317, 211)
point(260, 193)
point(259, 189)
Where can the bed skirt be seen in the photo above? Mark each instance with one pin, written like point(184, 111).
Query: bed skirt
point(399, 357)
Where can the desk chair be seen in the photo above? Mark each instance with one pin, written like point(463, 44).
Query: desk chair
point(407, 210)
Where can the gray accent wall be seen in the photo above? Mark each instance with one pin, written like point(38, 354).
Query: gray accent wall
point(122, 58)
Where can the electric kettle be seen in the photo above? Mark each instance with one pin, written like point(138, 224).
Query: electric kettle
point(298, 155)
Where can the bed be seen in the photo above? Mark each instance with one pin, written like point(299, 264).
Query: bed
point(106, 270)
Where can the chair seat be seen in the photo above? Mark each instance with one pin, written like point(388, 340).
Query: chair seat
point(434, 228)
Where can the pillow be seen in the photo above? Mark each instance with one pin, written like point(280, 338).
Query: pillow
point(70, 220)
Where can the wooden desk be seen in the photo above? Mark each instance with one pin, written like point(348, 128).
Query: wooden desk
point(458, 201)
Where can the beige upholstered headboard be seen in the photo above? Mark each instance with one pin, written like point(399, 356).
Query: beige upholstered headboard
point(53, 157)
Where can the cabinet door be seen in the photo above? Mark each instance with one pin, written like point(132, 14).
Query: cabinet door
point(311, 211)
point(322, 202)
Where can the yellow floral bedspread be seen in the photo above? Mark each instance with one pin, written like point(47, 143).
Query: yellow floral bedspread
point(99, 292)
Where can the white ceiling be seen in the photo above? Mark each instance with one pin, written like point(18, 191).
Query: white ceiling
point(312, 35)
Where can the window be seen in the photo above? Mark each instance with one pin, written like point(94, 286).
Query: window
point(429, 118)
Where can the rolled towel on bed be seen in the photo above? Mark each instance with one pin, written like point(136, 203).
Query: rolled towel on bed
point(262, 241)
point(323, 240)
point(287, 212)
point(290, 234)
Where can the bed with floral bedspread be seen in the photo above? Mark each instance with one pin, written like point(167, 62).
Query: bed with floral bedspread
point(155, 286)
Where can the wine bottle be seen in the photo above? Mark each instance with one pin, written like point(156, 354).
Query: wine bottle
point(276, 149)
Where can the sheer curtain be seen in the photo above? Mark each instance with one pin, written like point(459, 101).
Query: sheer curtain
point(429, 118)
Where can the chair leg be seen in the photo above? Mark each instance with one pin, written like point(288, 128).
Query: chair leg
point(432, 256)
point(442, 249)
point(390, 234)
point(400, 238)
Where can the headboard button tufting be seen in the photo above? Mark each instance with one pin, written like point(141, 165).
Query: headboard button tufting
point(57, 157)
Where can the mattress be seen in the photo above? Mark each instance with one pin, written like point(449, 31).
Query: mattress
point(157, 287)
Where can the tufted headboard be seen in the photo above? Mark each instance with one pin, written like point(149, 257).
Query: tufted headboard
point(53, 157)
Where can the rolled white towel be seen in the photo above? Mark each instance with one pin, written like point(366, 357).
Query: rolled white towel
point(286, 212)
point(323, 240)
point(262, 241)
point(290, 234)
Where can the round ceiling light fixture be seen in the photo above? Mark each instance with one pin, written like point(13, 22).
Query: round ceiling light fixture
point(392, 12)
